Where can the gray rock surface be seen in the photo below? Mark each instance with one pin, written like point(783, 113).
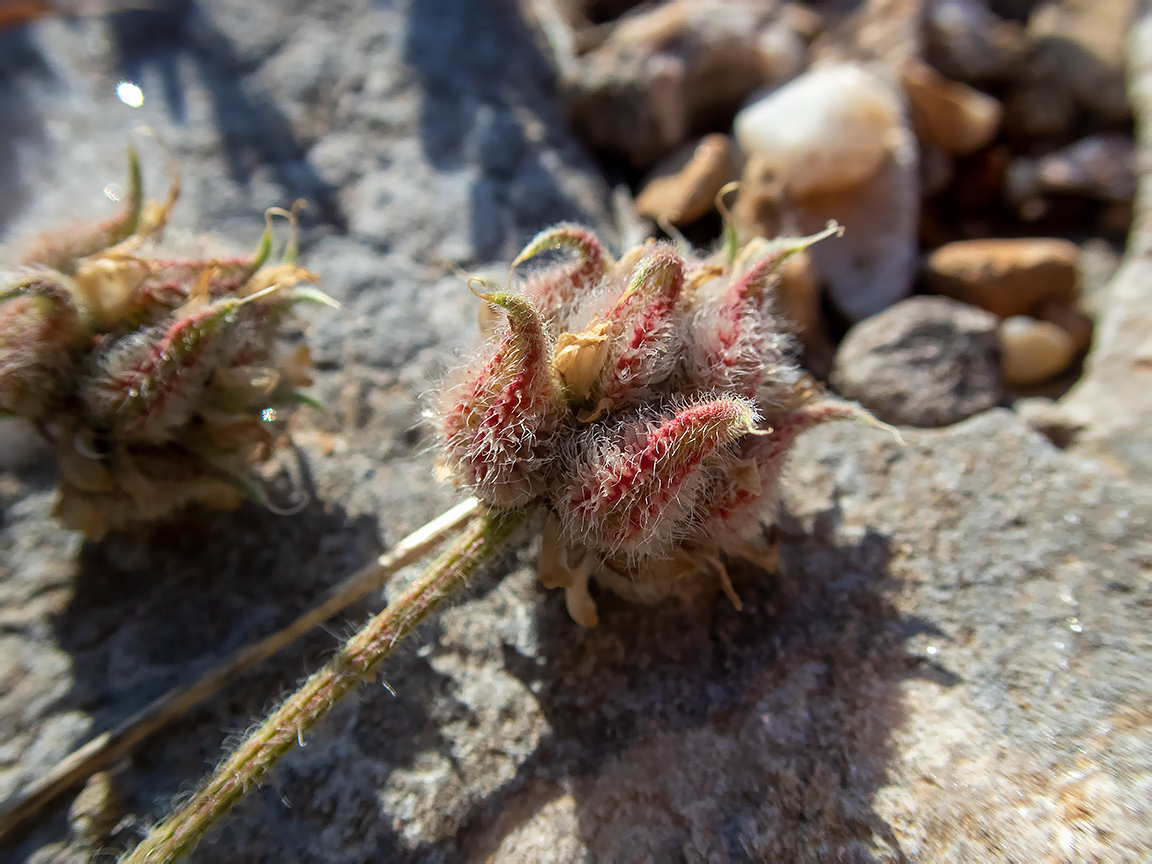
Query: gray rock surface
point(952, 665)
point(927, 361)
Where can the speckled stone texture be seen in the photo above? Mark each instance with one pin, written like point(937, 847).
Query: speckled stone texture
point(926, 361)
point(952, 665)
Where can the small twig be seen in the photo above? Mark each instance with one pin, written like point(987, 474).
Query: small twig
point(118, 742)
point(285, 728)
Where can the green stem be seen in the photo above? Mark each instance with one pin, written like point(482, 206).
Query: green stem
point(259, 752)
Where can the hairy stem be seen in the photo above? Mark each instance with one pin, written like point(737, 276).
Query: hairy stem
point(285, 728)
point(121, 740)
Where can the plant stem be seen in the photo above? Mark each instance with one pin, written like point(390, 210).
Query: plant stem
point(285, 728)
point(118, 742)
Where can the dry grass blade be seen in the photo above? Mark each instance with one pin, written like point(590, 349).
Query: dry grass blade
point(118, 742)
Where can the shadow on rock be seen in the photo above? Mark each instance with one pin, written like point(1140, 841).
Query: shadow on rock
point(690, 731)
point(323, 802)
point(254, 131)
point(484, 84)
point(20, 60)
point(154, 610)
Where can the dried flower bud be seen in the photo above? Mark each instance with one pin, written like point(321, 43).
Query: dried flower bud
point(498, 425)
point(623, 355)
point(156, 378)
point(639, 431)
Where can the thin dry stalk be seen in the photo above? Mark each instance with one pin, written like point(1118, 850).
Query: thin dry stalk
point(286, 727)
point(120, 741)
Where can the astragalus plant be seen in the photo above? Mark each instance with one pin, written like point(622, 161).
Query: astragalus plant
point(640, 409)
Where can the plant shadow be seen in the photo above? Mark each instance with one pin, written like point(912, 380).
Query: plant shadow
point(484, 86)
point(253, 130)
point(20, 61)
point(688, 731)
point(157, 608)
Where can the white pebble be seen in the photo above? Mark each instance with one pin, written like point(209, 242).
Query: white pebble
point(826, 130)
point(1033, 351)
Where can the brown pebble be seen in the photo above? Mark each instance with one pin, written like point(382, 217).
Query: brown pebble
point(798, 297)
point(799, 302)
point(684, 187)
point(952, 116)
point(1006, 277)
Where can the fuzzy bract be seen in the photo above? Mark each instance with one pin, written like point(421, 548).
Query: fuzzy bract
point(499, 422)
point(634, 491)
point(556, 290)
point(38, 328)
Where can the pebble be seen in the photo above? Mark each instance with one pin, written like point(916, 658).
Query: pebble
point(664, 71)
point(950, 115)
point(834, 144)
point(970, 43)
point(782, 52)
point(798, 295)
point(684, 187)
point(827, 130)
point(873, 264)
point(758, 210)
point(1075, 64)
point(799, 302)
point(1099, 166)
point(1006, 277)
point(95, 811)
point(927, 361)
point(1033, 351)
point(1085, 44)
point(883, 33)
point(805, 21)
